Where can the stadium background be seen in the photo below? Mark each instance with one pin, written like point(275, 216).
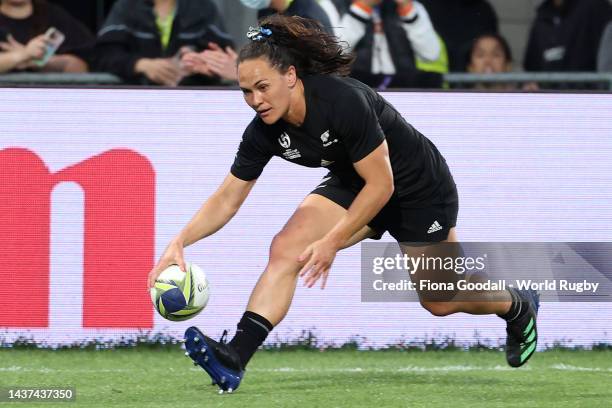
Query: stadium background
point(94, 182)
point(101, 179)
point(514, 16)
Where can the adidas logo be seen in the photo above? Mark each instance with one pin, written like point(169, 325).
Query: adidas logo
point(434, 227)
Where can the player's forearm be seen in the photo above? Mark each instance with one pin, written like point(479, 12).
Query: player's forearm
point(370, 200)
point(210, 218)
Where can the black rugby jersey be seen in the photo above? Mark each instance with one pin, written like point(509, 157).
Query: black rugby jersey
point(345, 121)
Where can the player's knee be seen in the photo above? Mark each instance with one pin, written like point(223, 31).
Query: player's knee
point(439, 308)
point(285, 247)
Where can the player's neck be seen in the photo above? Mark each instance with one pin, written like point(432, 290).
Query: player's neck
point(297, 106)
point(18, 12)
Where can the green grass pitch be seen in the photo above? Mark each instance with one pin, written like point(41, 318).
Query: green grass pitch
point(145, 377)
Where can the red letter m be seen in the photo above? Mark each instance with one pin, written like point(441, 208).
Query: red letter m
point(119, 188)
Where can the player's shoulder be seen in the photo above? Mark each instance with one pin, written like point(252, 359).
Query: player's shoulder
point(335, 88)
point(256, 127)
point(259, 132)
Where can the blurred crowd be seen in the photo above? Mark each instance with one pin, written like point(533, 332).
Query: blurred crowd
point(397, 43)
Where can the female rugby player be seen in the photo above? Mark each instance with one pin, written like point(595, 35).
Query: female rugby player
point(383, 176)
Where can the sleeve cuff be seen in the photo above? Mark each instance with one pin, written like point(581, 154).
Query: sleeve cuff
point(244, 175)
point(406, 11)
point(361, 11)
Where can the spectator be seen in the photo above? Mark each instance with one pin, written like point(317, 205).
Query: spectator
point(490, 54)
point(142, 40)
point(334, 10)
point(222, 62)
point(216, 60)
point(565, 35)
point(303, 8)
point(23, 43)
point(604, 57)
point(459, 23)
point(387, 37)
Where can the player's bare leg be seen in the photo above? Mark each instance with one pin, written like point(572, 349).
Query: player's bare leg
point(475, 302)
point(272, 295)
point(314, 218)
point(518, 308)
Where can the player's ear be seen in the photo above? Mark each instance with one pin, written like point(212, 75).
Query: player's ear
point(291, 76)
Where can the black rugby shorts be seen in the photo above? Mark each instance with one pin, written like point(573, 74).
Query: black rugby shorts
point(405, 223)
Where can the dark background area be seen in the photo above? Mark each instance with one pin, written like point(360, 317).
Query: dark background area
point(90, 13)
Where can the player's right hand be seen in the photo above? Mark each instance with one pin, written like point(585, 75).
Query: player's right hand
point(173, 255)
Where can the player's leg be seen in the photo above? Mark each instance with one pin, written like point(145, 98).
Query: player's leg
point(472, 302)
point(314, 218)
point(518, 308)
point(271, 297)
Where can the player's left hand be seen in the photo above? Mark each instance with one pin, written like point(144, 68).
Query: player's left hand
point(319, 257)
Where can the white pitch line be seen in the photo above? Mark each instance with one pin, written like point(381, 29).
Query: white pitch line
point(408, 369)
point(567, 367)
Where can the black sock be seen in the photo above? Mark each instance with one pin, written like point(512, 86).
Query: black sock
point(518, 308)
point(252, 331)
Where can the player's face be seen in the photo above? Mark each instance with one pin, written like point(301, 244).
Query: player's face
point(265, 88)
point(488, 57)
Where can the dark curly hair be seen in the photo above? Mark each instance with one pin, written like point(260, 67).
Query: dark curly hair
point(301, 42)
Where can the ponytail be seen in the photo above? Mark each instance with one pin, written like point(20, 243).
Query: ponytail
point(297, 41)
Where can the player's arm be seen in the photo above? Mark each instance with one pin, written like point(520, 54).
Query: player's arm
point(217, 211)
point(375, 169)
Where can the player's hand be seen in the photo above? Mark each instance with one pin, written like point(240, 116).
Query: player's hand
point(319, 257)
point(162, 71)
point(403, 3)
point(173, 255)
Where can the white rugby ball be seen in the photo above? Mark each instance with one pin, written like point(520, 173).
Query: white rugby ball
point(179, 295)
